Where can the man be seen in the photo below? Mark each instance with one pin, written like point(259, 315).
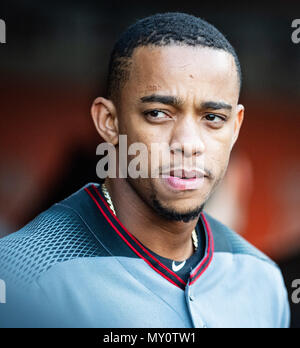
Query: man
point(138, 251)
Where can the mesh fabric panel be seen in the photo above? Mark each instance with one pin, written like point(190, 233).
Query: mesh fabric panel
point(57, 235)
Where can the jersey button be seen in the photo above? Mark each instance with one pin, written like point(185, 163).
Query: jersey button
point(191, 298)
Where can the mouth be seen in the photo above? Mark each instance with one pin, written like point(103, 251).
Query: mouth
point(183, 179)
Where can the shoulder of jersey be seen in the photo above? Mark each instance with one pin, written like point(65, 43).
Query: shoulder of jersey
point(58, 234)
point(227, 240)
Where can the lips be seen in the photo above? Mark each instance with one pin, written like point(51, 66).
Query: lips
point(183, 179)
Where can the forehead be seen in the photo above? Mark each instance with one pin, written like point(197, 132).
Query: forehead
point(183, 70)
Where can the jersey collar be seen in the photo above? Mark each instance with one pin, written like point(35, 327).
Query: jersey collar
point(97, 197)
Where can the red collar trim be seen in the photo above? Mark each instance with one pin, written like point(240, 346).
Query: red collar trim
point(143, 253)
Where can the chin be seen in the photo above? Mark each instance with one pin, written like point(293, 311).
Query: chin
point(175, 213)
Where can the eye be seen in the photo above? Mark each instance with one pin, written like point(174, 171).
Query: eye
point(156, 114)
point(214, 118)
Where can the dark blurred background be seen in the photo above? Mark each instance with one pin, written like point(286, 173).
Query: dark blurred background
point(54, 64)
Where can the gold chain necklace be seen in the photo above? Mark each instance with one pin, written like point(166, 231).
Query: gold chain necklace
point(110, 203)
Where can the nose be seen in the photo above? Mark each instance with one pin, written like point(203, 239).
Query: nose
point(187, 139)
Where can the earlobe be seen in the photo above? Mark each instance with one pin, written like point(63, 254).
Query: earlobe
point(104, 115)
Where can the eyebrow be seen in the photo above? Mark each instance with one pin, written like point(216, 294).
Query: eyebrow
point(176, 102)
point(163, 99)
point(215, 105)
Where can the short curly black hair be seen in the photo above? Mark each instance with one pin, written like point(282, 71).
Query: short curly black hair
point(162, 29)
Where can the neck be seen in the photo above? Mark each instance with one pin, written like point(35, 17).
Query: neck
point(170, 239)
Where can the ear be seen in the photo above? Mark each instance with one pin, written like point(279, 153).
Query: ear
point(104, 115)
point(238, 122)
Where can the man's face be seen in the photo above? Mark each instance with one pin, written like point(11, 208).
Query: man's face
point(198, 118)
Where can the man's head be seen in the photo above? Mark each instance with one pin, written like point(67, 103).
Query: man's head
point(175, 79)
point(162, 30)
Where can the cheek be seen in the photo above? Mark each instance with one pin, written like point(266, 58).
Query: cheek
point(133, 124)
point(141, 132)
point(141, 138)
point(217, 152)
